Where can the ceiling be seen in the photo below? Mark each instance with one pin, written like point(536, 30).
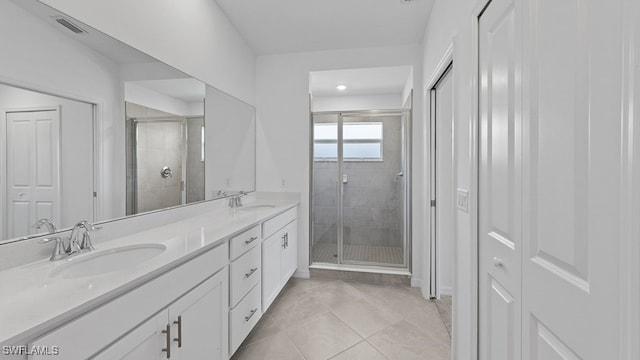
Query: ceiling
point(284, 26)
point(372, 81)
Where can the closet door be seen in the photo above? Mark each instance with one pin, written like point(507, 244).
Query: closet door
point(500, 240)
point(571, 197)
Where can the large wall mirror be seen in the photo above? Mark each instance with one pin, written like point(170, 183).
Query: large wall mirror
point(93, 129)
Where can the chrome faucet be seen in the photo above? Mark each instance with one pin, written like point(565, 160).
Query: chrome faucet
point(236, 201)
point(75, 244)
point(222, 193)
point(84, 244)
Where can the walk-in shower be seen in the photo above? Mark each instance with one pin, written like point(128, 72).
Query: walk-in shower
point(359, 202)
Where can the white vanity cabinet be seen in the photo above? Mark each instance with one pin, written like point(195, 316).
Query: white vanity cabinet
point(192, 300)
point(201, 305)
point(191, 328)
point(279, 254)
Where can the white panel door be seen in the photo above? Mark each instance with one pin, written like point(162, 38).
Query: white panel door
point(571, 164)
point(33, 169)
point(500, 241)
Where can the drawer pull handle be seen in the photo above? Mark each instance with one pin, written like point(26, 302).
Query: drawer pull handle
point(284, 241)
point(253, 238)
point(253, 312)
point(168, 348)
point(179, 338)
point(250, 272)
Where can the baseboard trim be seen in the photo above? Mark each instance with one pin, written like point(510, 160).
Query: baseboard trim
point(302, 273)
point(446, 290)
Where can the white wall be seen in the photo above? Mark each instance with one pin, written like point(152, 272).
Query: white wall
point(283, 128)
point(451, 20)
point(230, 145)
point(364, 102)
point(191, 35)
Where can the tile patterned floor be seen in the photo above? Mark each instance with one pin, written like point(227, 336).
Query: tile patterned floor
point(333, 319)
point(327, 253)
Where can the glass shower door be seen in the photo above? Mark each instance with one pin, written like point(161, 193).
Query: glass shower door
point(325, 189)
point(373, 190)
point(359, 189)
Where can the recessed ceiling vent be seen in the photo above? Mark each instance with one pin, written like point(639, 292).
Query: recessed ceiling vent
point(69, 25)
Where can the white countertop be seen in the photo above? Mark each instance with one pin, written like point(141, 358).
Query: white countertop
point(32, 301)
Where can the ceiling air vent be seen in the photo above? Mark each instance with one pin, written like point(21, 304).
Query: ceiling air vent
point(69, 25)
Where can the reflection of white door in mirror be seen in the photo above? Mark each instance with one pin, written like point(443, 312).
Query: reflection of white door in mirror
point(46, 160)
point(33, 169)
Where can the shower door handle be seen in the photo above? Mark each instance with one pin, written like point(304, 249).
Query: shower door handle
point(345, 179)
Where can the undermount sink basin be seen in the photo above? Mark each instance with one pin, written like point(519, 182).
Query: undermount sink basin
point(255, 207)
point(106, 261)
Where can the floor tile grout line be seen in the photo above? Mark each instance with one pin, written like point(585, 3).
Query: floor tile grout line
point(378, 350)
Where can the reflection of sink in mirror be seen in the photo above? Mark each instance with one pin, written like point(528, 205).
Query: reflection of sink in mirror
point(255, 207)
point(107, 261)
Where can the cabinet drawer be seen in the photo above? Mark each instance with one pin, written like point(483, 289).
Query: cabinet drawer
point(244, 317)
point(245, 241)
point(245, 274)
point(270, 226)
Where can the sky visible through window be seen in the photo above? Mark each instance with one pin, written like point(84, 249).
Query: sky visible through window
point(361, 141)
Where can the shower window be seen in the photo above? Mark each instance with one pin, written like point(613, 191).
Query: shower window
point(362, 141)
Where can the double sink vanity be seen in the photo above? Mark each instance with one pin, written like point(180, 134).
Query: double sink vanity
point(191, 289)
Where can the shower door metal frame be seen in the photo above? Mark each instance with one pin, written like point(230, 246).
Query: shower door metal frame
point(406, 160)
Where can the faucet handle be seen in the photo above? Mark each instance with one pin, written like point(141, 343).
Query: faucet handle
point(58, 251)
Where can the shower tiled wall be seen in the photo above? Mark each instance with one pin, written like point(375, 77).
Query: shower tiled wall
point(159, 145)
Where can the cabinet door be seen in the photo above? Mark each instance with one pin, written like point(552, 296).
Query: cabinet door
point(146, 342)
point(271, 249)
point(200, 321)
point(289, 257)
